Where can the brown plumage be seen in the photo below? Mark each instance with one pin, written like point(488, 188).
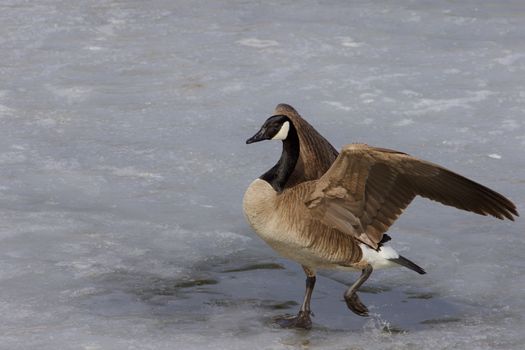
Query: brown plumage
point(328, 241)
point(328, 210)
point(367, 188)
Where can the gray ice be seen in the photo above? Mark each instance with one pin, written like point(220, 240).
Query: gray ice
point(123, 164)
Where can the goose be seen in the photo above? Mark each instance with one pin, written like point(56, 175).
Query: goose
point(330, 210)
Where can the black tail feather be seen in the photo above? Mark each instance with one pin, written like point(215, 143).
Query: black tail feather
point(385, 239)
point(408, 264)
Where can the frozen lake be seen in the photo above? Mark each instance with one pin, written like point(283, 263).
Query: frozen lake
point(123, 165)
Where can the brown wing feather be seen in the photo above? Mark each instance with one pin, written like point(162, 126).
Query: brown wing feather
point(366, 189)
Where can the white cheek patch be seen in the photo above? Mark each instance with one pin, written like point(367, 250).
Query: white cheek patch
point(283, 132)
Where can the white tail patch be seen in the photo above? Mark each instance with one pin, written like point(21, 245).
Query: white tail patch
point(379, 259)
point(283, 132)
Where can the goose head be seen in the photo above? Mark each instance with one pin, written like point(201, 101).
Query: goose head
point(277, 127)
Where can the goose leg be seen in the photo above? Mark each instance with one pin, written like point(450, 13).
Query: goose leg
point(351, 298)
point(302, 320)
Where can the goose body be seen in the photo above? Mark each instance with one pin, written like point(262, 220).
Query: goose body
point(329, 210)
point(283, 227)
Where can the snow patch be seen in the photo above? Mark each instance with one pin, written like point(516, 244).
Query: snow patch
point(12, 157)
point(338, 105)
point(510, 125)
point(5, 111)
point(427, 105)
point(94, 48)
point(404, 122)
point(347, 41)
point(257, 43)
point(71, 94)
point(367, 121)
point(510, 59)
point(133, 172)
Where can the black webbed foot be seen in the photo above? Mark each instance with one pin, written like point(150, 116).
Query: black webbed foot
point(302, 320)
point(351, 298)
point(354, 303)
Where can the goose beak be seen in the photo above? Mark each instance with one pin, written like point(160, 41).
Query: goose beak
point(260, 136)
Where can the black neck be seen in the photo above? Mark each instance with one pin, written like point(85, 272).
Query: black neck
point(280, 173)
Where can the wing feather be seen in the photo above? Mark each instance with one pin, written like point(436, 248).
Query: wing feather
point(366, 189)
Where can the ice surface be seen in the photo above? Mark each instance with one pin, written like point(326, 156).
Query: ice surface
point(123, 164)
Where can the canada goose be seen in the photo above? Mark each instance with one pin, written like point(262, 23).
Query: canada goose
point(326, 210)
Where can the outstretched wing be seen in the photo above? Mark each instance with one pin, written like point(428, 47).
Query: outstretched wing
point(367, 188)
